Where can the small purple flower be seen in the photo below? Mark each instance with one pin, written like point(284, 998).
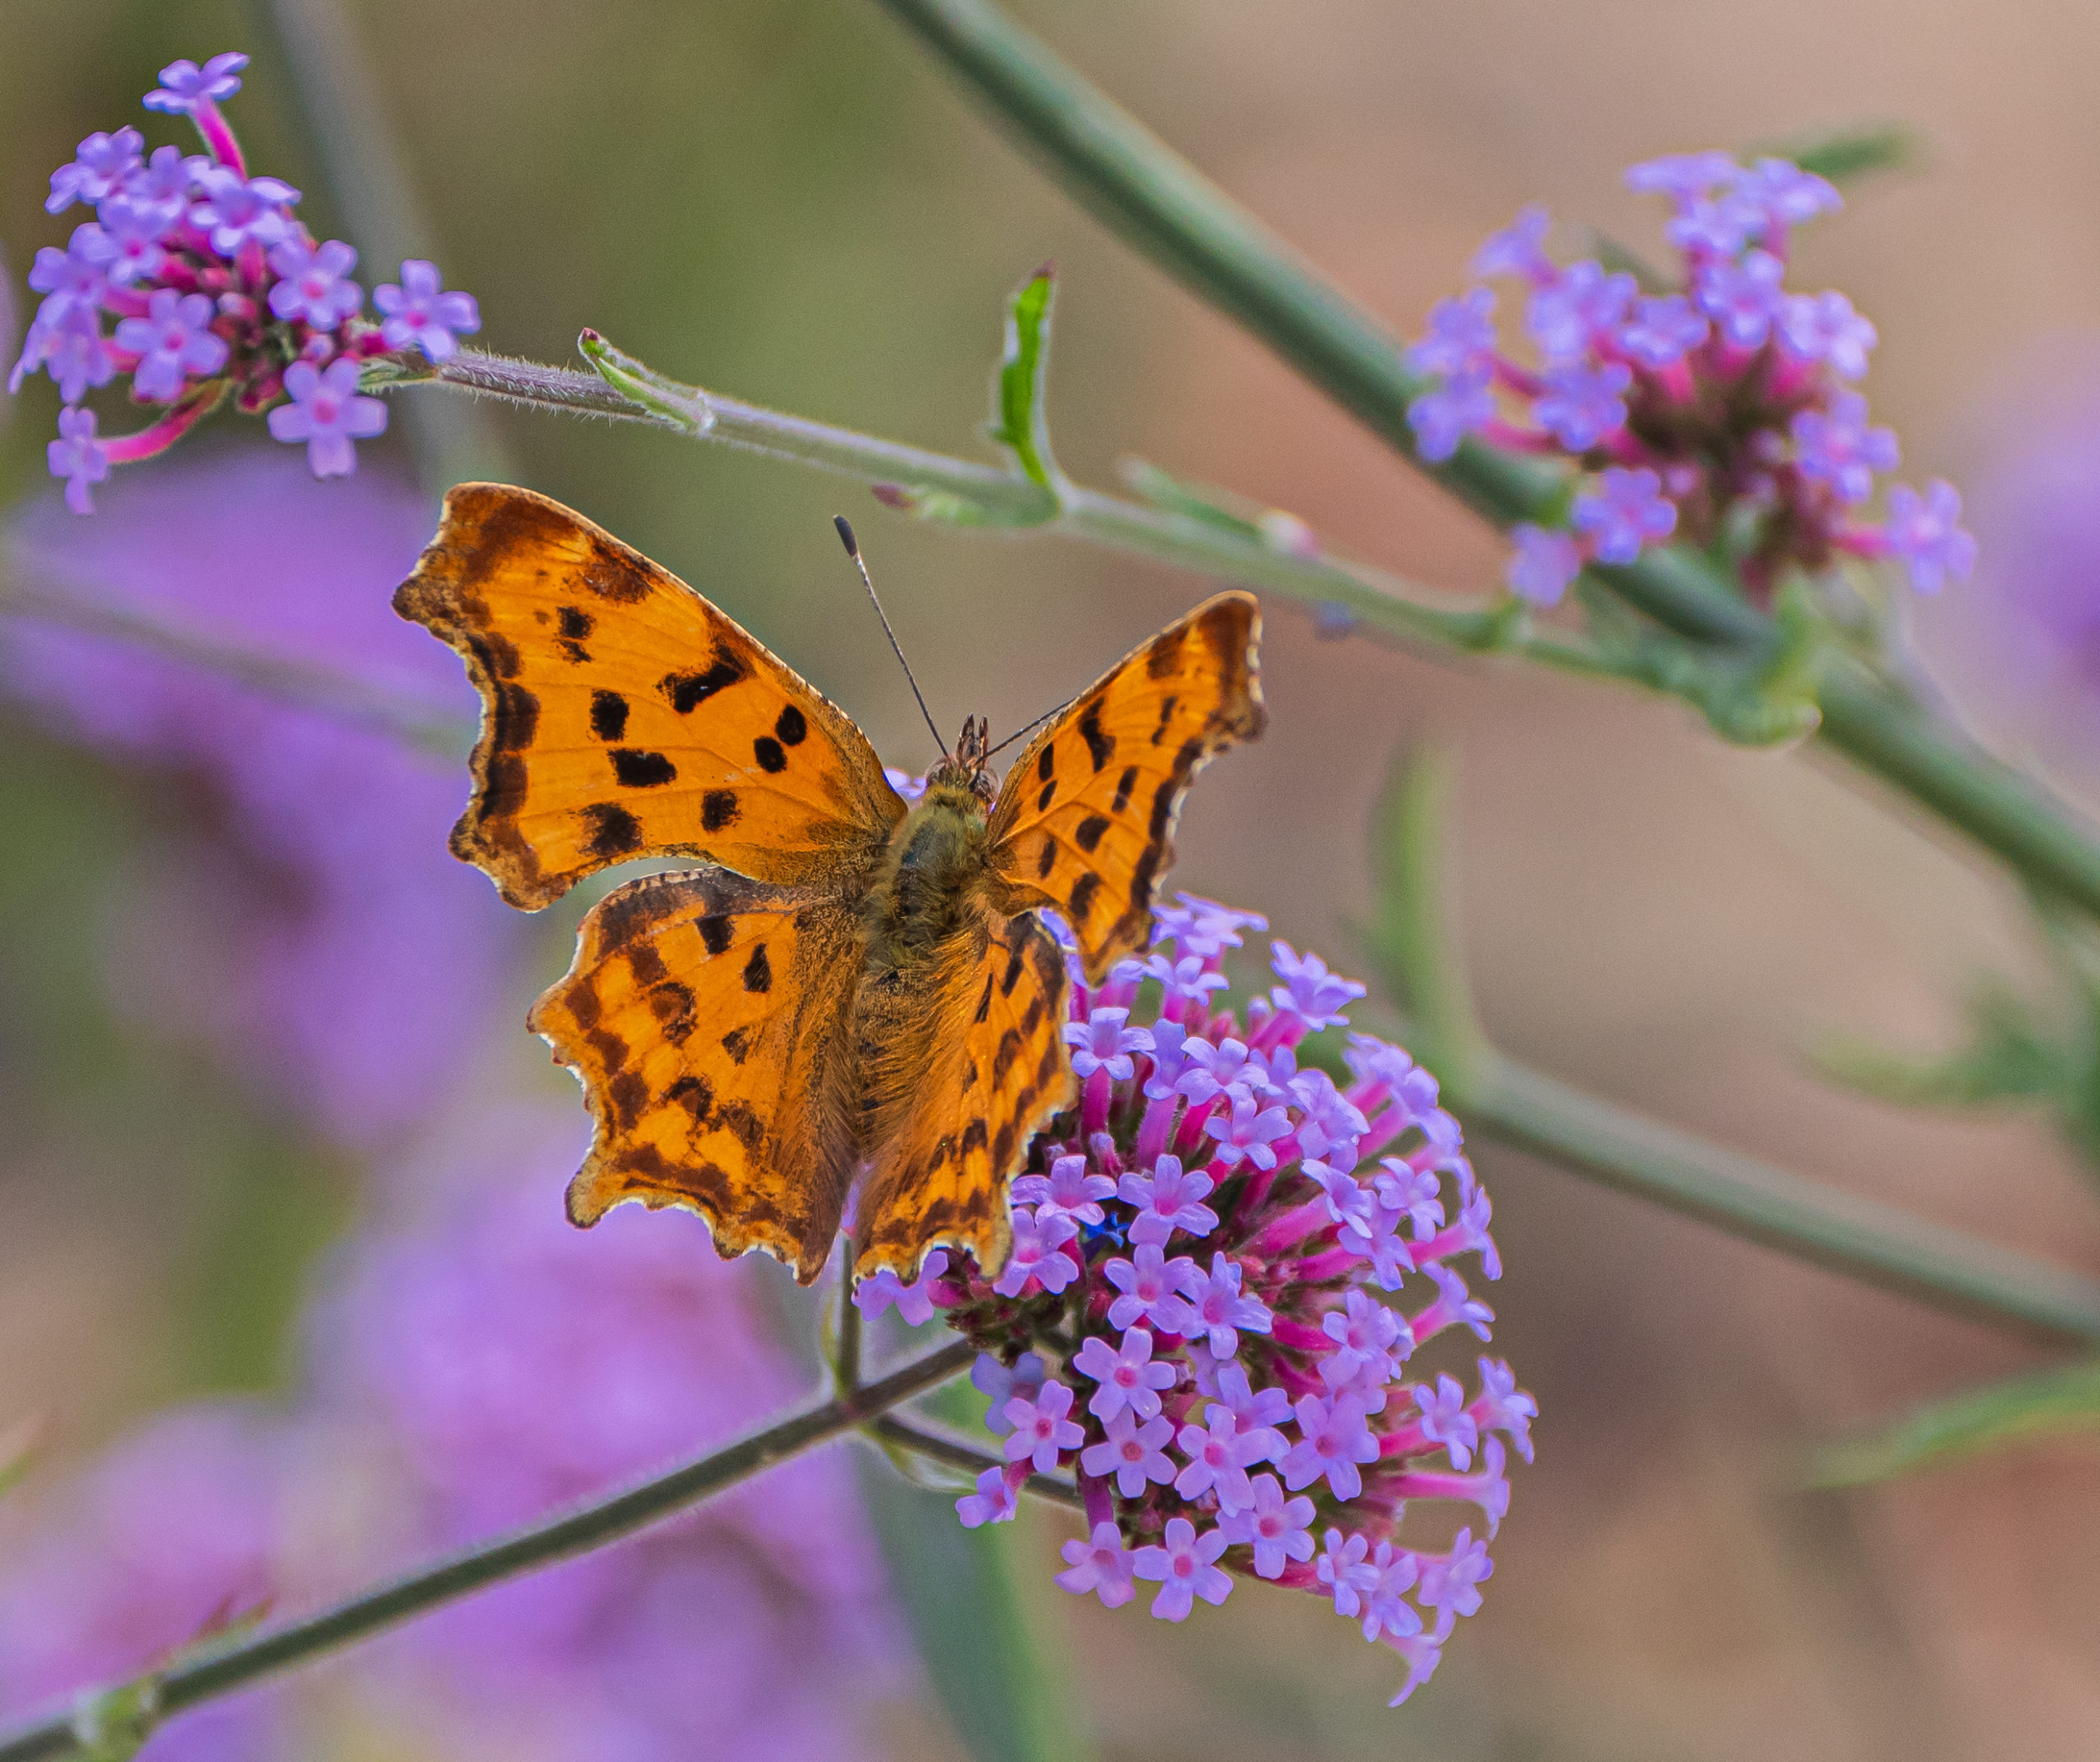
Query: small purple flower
point(1067, 1191)
point(1501, 1406)
point(1257, 1412)
point(185, 85)
point(1134, 1452)
point(1129, 1381)
point(1316, 994)
point(1581, 405)
point(1416, 1192)
point(74, 351)
point(1168, 1199)
point(1663, 329)
point(1584, 302)
point(1786, 193)
point(78, 457)
point(1333, 1439)
point(1219, 1456)
point(994, 1502)
point(1101, 1564)
point(420, 313)
point(1040, 1429)
point(1444, 417)
point(99, 166)
point(1925, 534)
point(1461, 332)
point(1350, 1201)
point(172, 342)
point(1518, 249)
point(1000, 1384)
point(237, 210)
point(130, 242)
point(317, 286)
point(1332, 1124)
point(1183, 1567)
point(1246, 1133)
point(1170, 1062)
point(1202, 926)
point(1151, 1285)
point(1375, 1237)
point(1105, 1041)
point(1451, 1585)
point(1623, 513)
point(165, 185)
point(1682, 176)
point(1343, 1569)
point(1274, 1526)
point(327, 413)
point(1824, 327)
point(1444, 1419)
point(1742, 299)
point(1037, 1252)
point(915, 1302)
point(1187, 980)
point(1542, 563)
point(1385, 1607)
point(1212, 1070)
point(1455, 1306)
point(1716, 227)
point(1839, 448)
point(1218, 1309)
point(1364, 1333)
point(73, 280)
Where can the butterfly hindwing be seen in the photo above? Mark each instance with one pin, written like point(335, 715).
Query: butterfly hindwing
point(708, 1016)
point(985, 1072)
point(1085, 824)
point(624, 716)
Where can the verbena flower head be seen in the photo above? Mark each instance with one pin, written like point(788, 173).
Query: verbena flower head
point(1226, 1265)
point(216, 290)
point(1715, 404)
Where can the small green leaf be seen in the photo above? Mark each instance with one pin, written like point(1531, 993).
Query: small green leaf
point(114, 1725)
point(1843, 154)
point(2054, 1403)
point(2009, 1057)
point(1021, 420)
point(640, 383)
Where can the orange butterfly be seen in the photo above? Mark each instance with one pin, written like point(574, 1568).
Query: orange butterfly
point(846, 979)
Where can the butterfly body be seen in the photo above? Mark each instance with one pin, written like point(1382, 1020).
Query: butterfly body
point(847, 987)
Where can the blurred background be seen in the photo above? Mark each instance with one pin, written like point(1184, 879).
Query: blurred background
point(270, 1123)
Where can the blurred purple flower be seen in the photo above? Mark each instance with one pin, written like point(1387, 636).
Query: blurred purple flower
point(1623, 513)
point(78, 457)
point(172, 341)
point(1542, 564)
point(317, 288)
point(1839, 448)
point(324, 941)
point(1925, 534)
point(419, 313)
point(185, 85)
point(327, 414)
point(99, 165)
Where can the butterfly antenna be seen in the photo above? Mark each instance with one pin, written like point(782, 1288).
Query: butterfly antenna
point(1022, 733)
point(853, 550)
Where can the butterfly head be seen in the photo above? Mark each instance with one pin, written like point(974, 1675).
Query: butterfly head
point(970, 766)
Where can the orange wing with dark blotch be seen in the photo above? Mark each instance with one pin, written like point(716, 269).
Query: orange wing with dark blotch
point(956, 1116)
point(624, 716)
point(1085, 822)
point(707, 1016)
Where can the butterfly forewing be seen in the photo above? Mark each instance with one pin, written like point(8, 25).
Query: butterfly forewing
point(623, 716)
point(986, 1071)
point(706, 1015)
point(1085, 821)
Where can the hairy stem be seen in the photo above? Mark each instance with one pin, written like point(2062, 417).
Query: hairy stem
point(1173, 214)
point(224, 1669)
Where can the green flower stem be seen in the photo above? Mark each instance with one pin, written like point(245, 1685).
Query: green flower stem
point(223, 1669)
point(1173, 214)
point(938, 1447)
point(1861, 1238)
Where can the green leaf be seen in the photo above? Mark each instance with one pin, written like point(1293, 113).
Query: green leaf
point(640, 383)
point(2009, 1057)
point(1843, 154)
point(114, 1725)
point(978, 1603)
point(2054, 1403)
point(1021, 420)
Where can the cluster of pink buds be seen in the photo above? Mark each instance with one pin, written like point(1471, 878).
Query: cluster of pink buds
point(216, 290)
point(1224, 1265)
point(1708, 404)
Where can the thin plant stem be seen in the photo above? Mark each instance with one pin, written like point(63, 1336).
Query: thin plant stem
point(1173, 214)
point(939, 1447)
point(223, 1669)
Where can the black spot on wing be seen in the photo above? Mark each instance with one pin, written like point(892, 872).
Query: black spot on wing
point(608, 715)
point(767, 751)
point(1123, 786)
point(1002, 1146)
point(1165, 653)
point(1100, 744)
point(984, 1003)
point(1046, 767)
point(717, 808)
point(637, 769)
point(716, 931)
point(758, 971)
point(792, 728)
point(743, 1123)
point(1048, 860)
point(1165, 716)
point(1015, 961)
point(1045, 795)
point(629, 1095)
point(576, 625)
point(1088, 834)
point(974, 1137)
point(738, 1044)
point(694, 1093)
point(1082, 900)
point(517, 717)
point(688, 690)
point(610, 829)
point(611, 576)
point(1003, 1060)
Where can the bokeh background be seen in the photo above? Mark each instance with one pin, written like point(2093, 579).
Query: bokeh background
point(261, 1059)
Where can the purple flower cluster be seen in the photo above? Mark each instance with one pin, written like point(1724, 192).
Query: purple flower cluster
point(1714, 406)
point(217, 290)
point(1223, 1266)
point(467, 1374)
